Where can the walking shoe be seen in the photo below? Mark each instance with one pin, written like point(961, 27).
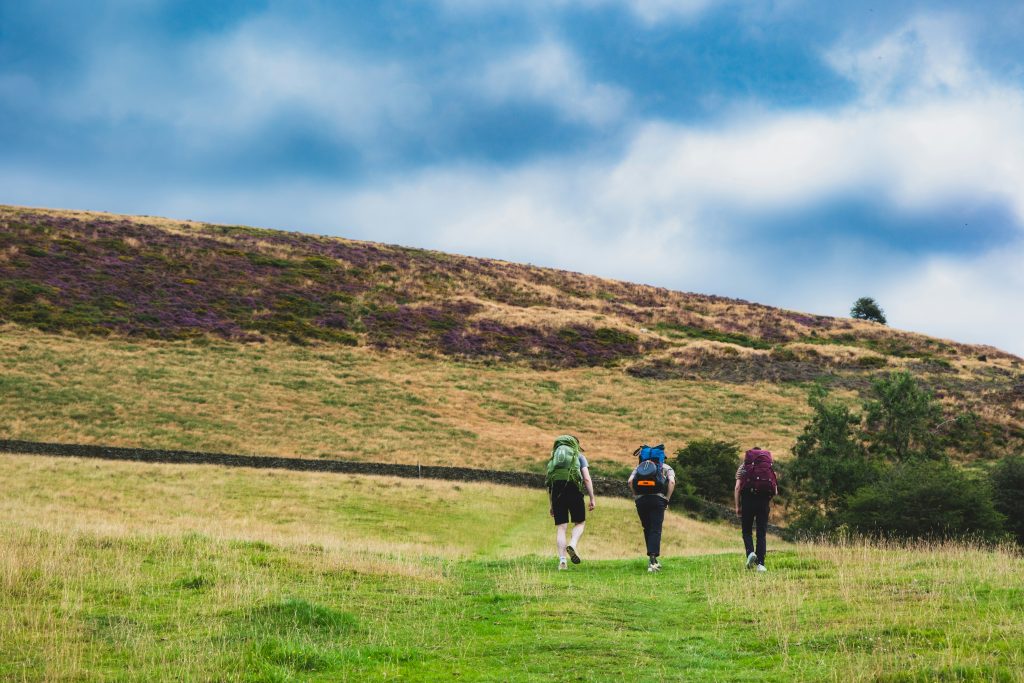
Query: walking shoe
point(751, 560)
point(657, 565)
point(572, 554)
point(652, 567)
point(562, 566)
point(761, 568)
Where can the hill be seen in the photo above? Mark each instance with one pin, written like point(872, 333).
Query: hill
point(158, 332)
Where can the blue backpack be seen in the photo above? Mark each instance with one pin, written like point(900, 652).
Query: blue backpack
point(652, 453)
point(650, 475)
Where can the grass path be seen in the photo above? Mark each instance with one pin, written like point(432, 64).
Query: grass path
point(129, 572)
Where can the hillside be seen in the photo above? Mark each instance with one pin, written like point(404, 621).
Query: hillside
point(174, 317)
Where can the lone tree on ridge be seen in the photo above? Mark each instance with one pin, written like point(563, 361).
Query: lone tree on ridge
point(866, 308)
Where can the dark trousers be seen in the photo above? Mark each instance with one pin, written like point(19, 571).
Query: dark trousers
point(754, 507)
point(651, 510)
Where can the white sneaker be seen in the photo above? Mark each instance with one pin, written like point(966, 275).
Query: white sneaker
point(761, 568)
point(652, 567)
point(751, 560)
point(562, 566)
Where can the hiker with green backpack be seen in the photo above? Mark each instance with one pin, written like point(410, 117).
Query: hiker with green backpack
point(568, 474)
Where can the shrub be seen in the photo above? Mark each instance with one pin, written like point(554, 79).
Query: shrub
point(709, 467)
point(925, 500)
point(829, 461)
point(900, 422)
point(1007, 479)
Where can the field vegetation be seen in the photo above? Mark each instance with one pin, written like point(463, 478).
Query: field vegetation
point(152, 332)
point(254, 576)
point(277, 398)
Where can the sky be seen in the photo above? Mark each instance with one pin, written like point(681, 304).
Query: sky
point(796, 153)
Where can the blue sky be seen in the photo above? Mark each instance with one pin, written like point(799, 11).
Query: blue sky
point(796, 153)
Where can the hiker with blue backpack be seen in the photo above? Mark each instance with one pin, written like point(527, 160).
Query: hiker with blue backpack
point(756, 484)
point(568, 475)
point(652, 482)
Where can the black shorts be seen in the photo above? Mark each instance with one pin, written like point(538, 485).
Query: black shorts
point(566, 502)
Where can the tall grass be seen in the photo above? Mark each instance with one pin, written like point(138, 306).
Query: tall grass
point(279, 399)
point(121, 571)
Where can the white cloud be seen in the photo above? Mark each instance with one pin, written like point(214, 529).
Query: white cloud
point(549, 73)
point(973, 300)
point(927, 56)
point(228, 86)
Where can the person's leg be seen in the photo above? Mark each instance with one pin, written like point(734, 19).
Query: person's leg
point(762, 527)
point(578, 514)
point(747, 512)
point(577, 532)
point(655, 520)
point(560, 510)
point(646, 508)
point(641, 511)
point(560, 540)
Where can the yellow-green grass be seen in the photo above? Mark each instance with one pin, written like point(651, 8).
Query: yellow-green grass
point(348, 513)
point(356, 403)
point(122, 571)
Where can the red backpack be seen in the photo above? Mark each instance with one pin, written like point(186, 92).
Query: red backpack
point(759, 473)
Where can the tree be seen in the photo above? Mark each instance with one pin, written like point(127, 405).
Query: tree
point(928, 500)
point(830, 463)
point(1007, 479)
point(708, 468)
point(866, 308)
point(900, 422)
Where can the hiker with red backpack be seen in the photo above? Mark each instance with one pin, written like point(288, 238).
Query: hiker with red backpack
point(756, 484)
point(568, 474)
point(652, 483)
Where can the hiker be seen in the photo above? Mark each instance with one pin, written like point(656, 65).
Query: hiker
point(652, 483)
point(756, 483)
point(568, 475)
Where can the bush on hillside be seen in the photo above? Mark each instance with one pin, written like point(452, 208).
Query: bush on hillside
point(829, 461)
point(708, 468)
point(924, 500)
point(1007, 479)
point(900, 423)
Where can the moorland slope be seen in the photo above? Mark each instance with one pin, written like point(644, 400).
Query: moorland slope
point(155, 332)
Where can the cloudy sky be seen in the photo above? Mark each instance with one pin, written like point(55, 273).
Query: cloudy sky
point(796, 153)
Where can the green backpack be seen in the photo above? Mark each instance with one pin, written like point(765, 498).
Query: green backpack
point(564, 464)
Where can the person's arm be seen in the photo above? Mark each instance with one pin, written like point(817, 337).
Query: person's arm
point(551, 504)
point(671, 485)
point(589, 484)
point(629, 482)
point(736, 496)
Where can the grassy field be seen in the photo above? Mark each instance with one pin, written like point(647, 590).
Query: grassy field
point(121, 571)
point(361, 404)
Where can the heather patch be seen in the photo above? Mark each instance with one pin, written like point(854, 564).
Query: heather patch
point(570, 346)
point(101, 274)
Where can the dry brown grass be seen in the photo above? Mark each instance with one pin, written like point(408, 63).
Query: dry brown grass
point(355, 519)
point(279, 399)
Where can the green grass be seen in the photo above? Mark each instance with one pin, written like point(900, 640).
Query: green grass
point(120, 571)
